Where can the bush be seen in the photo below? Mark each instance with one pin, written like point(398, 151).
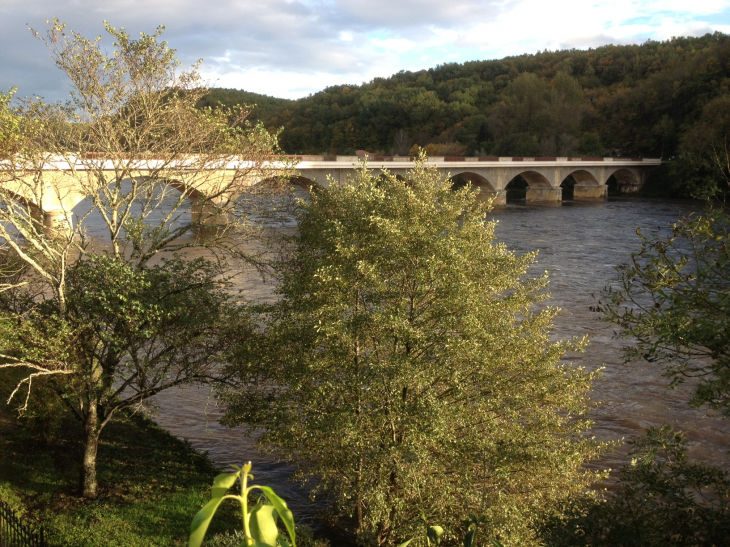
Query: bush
point(663, 499)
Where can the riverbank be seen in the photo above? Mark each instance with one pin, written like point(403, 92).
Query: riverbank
point(151, 483)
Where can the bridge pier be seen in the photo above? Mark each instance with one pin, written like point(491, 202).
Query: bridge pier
point(590, 193)
point(210, 216)
point(57, 220)
point(543, 194)
point(498, 198)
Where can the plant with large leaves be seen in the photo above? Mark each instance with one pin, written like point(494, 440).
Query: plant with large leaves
point(259, 522)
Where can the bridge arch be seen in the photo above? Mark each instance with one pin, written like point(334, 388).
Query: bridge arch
point(487, 191)
point(583, 185)
point(584, 178)
point(626, 180)
point(476, 181)
point(34, 211)
point(534, 186)
point(535, 179)
point(305, 183)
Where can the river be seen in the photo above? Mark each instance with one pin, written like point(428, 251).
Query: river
point(579, 243)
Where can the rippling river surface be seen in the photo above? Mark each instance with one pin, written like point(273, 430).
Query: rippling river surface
point(579, 243)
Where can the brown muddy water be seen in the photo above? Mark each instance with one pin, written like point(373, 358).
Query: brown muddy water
point(579, 244)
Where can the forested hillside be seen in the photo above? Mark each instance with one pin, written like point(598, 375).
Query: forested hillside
point(635, 100)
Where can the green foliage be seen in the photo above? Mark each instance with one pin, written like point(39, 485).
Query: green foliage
point(662, 499)
point(259, 523)
point(673, 304)
point(164, 323)
point(705, 153)
point(590, 145)
point(44, 417)
point(432, 533)
point(518, 144)
point(405, 371)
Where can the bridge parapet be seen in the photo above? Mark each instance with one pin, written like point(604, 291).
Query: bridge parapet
point(373, 158)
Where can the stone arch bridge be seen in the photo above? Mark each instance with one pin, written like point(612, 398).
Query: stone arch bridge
point(53, 195)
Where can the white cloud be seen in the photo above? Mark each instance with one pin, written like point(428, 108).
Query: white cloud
point(535, 25)
point(399, 45)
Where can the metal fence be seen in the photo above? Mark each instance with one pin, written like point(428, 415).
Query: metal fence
point(15, 533)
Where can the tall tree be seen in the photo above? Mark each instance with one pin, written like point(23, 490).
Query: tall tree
point(112, 322)
point(565, 99)
point(405, 370)
point(705, 149)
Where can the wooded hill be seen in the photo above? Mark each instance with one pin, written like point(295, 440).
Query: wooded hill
point(635, 100)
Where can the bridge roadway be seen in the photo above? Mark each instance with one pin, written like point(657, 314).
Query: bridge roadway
point(53, 191)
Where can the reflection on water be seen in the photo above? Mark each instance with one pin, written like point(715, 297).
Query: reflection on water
point(579, 243)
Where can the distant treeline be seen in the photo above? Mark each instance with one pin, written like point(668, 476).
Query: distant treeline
point(636, 100)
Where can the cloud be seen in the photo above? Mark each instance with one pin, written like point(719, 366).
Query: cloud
point(399, 45)
point(291, 48)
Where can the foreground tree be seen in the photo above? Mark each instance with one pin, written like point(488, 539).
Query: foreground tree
point(110, 320)
point(404, 368)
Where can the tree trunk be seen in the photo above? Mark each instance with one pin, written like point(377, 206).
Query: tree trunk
point(91, 444)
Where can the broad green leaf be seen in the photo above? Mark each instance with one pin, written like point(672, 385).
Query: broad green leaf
point(263, 525)
point(201, 521)
point(284, 513)
point(469, 538)
point(222, 483)
point(434, 534)
point(404, 544)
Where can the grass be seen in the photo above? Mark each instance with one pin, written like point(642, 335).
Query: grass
point(150, 483)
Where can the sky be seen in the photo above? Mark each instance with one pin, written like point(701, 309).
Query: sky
point(294, 48)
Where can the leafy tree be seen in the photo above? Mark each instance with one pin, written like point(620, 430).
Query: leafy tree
point(521, 144)
point(524, 109)
point(590, 145)
point(705, 150)
point(673, 303)
point(405, 371)
point(565, 99)
point(109, 323)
